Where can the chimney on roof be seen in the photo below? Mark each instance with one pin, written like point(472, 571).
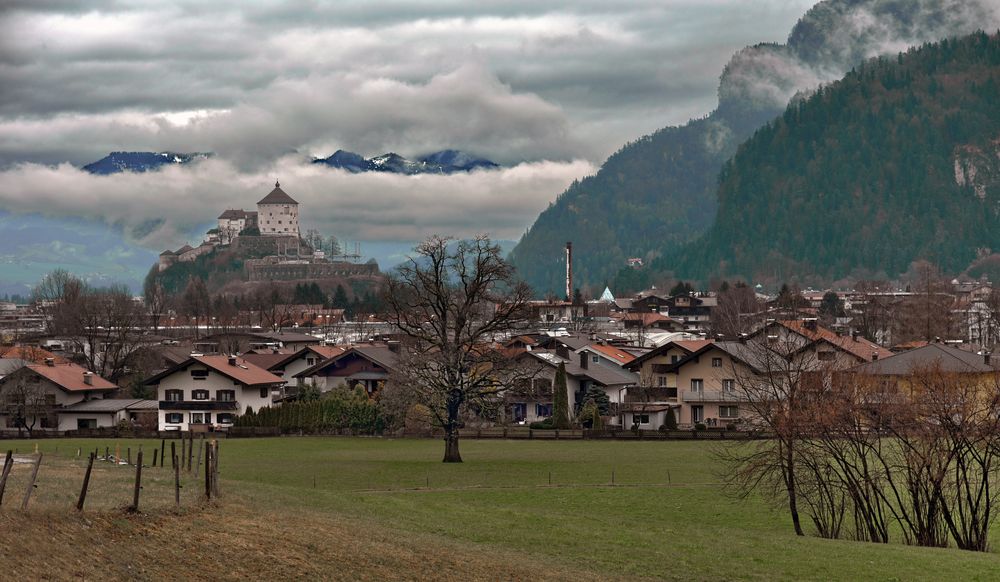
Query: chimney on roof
point(986, 357)
point(232, 360)
point(562, 351)
point(393, 346)
point(569, 271)
point(809, 323)
point(584, 356)
point(50, 361)
point(88, 378)
point(874, 356)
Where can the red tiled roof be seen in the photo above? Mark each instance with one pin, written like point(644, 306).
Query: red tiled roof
point(613, 353)
point(30, 354)
point(69, 377)
point(246, 372)
point(860, 347)
point(692, 345)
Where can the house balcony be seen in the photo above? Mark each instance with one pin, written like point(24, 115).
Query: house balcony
point(658, 394)
point(202, 405)
point(712, 396)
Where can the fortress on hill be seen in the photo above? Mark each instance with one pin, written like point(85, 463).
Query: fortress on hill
point(271, 236)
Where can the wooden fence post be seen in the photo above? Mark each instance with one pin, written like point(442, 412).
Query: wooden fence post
point(190, 452)
point(163, 451)
point(8, 464)
point(86, 483)
point(208, 471)
point(31, 484)
point(173, 452)
point(128, 455)
point(215, 468)
point(177, 484)
point(155, 452)
point(138, 484)
point(197, 469)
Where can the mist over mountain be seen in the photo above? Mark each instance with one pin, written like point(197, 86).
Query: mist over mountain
point(442, 162)
point(659, 192)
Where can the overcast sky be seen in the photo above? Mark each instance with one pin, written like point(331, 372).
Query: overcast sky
point(548, 89)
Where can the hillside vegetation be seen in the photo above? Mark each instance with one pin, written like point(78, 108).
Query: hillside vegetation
point(896, 162)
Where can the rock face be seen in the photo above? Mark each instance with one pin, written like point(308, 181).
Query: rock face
point(659, 192)
point(978, 169)
point(443, 162)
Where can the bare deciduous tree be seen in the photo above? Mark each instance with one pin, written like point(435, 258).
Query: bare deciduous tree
point(453, 300)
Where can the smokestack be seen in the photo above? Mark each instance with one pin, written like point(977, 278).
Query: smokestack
point(232, 360)
point(88, 378)
point(986, 357)
point(569, 271)
point(874, 356)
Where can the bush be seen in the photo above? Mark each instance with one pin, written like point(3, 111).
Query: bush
point(546, 424)
point(731, 426)
point(700, 426)
point(664, 428)
point(671, 420)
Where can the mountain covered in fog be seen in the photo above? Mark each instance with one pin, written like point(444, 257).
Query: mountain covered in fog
point(443, 162)
point(117, 162)
point(660, 191)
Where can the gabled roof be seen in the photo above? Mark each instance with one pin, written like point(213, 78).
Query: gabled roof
point(603, 375)
point(233, 214)
point(858, 347)
point(944, 357)
point(617, 355)
point(324, 352)
point(111, 405)
point(379, 354)
point(689, 346)
point(70, 377)
point(277, 196)
point(244, 372)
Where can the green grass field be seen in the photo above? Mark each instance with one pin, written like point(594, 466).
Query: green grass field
point(665, 516)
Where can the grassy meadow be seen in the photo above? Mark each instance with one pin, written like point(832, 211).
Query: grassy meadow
point(366, 508)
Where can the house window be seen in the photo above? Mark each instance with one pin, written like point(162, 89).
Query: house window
point(264, 392)
point(543, 410)
point(175, 395)
point(673, 359)
point(199, 394)
point(825, 356)
point(174, 418)
point(729, 412)
point(640, 419)
point(716, 362)
point(697, 413)
point(310, 361)
point(86, 423)
point(729, 385)
point(661, 381)
point(697, 385)
point(224, 418)
point(201, 418)
point(225, 395)
point(595, 359)
point(199, 374)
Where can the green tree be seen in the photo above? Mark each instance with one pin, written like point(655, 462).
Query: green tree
point(560, 399)
point(671, 420)
point(340, 300)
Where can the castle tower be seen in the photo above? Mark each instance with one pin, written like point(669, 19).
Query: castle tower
point(278, 214)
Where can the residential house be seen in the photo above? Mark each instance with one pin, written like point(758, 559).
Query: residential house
point(580, 377)
point(367, 366)
point(109, 412)
point(38, 392)
point(208, 392)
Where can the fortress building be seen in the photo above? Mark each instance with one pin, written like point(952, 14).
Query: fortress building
point(278, 214)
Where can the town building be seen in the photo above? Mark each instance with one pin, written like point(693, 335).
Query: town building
point(33, 395)
point(205, 393)
point(278, 214)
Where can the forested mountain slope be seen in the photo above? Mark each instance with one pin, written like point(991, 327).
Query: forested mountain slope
point(898, 161)
point(659, 192)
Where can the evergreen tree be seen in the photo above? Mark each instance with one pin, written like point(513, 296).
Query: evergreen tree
point(671, 420)
point(340, 300)
point(560, 399)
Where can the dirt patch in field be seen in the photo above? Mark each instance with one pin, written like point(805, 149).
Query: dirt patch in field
point(232, 542)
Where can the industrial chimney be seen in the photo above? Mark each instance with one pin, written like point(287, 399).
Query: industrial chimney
point(569, 271)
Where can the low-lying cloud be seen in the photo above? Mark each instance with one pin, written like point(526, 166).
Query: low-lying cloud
point(369, 206)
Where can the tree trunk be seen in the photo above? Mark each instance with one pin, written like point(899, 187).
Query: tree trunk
point(451, 454)
point(793, 506)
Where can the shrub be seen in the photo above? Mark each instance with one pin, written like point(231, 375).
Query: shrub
point(671, 420)
point(731, 426)
point(664, 428)
point(700, 426)
point(546, 424)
